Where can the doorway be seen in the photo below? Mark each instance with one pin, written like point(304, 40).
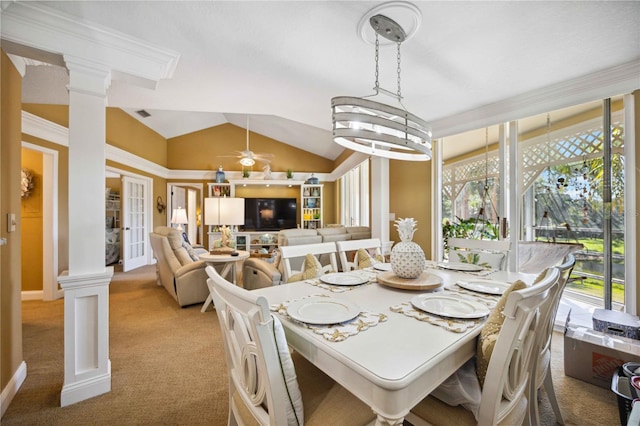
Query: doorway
point(190, 197)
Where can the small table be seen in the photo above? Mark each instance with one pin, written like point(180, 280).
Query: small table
point(230, 266)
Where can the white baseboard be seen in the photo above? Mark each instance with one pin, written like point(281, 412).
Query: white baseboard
point(32, 295)
point(85, 389)
point(12, 387)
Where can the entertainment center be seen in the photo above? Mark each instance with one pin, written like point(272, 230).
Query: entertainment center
point(265, 216)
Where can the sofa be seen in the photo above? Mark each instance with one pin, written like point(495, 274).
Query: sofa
point(177, 267)
point(258, 273)
point(331, 233)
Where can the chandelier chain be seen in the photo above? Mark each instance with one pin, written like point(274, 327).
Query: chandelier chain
point(399, 92)
point(377, 57)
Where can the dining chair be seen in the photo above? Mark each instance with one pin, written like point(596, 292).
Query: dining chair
point(504, 393)
point(289, 254)
point(372, 245)
point(267, 384)
point(489, 253)
point(542, 375)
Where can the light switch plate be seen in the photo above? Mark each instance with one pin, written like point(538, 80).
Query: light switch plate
point(11, 222)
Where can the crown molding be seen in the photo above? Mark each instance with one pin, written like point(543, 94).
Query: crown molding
point(47, 130)
point(44, 129)
point(39, 27)
point(614, 81)
point(131, 160)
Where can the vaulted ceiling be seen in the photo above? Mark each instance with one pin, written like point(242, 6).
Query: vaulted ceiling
point(465, 65)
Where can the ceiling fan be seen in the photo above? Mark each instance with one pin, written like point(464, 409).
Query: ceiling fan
point(247, 157)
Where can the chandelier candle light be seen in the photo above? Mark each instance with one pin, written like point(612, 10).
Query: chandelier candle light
point(375, 128)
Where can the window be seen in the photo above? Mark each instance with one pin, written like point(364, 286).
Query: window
point(561, 174)
point(354, 196)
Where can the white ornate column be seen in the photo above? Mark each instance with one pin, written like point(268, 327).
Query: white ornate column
point(87, 368)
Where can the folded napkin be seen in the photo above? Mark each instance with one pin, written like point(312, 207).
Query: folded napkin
point(335, 332)
point(368, 274)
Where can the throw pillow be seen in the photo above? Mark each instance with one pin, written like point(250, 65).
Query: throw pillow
point(311, 268)
point(293, 400)
point(364, 259)
point(182, 256)
point(190, 250)
point(491, 331)
point(485, 259)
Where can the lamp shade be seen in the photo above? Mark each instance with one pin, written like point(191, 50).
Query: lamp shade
point(224, 211)
point(179, 216)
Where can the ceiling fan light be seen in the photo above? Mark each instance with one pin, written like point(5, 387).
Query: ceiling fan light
point(246, 161)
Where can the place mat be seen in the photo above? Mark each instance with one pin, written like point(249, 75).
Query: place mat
point(455, 325)
point(335, 332)
point(368, 274)
point(487, 299)
point(483, 273)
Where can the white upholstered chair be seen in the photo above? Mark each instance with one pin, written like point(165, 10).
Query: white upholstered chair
point(372, 245)
point(289, 254)
point(543, 368)
point(267, 384)
point(489, 253)
point(506, 388)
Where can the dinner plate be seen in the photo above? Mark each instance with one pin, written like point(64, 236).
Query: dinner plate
point(485, 286)
point(322, 310)
point(459, 266)
point(343, 278)
point(447, 306)
point(382, 266)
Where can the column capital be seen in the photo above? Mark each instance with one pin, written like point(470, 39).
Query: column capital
point(86, 76)
point(68, 282)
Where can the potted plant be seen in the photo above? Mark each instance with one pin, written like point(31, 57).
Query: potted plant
point(246, 173)
point(289, 174)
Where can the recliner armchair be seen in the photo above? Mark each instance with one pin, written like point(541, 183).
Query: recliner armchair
point(257, 273)
point(183, 277)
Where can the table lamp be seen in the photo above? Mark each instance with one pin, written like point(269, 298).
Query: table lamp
point(223, 212)
point(179, 217)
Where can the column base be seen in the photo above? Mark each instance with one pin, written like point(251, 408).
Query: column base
point(85, 389)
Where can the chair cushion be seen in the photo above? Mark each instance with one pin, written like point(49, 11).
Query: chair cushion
point(486, 259)
point(293, 401)
point(325, 401)
point(461, 388)
point(365, 260)
point(437, 412)
point(310, 269)
point(490, 332)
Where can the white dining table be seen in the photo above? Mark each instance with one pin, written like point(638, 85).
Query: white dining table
point(395, 364)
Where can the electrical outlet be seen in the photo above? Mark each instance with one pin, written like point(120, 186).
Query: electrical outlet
point(11, 222)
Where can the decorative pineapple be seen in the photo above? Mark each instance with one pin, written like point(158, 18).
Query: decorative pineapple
point(407, 257)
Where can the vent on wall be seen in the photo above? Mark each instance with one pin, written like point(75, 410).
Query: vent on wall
point(142, 113)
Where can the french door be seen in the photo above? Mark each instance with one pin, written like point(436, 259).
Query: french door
point(134, 222)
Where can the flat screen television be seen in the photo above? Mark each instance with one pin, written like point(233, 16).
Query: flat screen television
point(270, 214)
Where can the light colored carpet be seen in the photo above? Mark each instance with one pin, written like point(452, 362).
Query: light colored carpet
point(168, 367)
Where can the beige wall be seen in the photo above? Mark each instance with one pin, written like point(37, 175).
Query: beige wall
point(410, 196)
point(10, 254)
point(31, 220)
point(208, 148)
